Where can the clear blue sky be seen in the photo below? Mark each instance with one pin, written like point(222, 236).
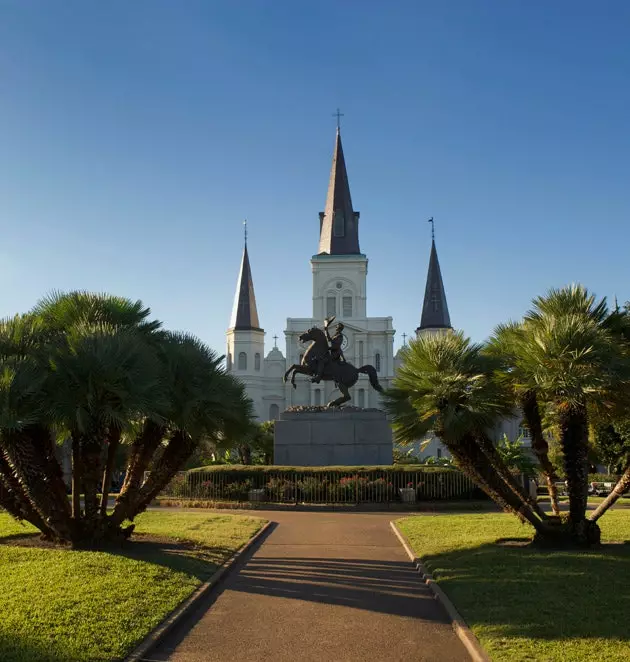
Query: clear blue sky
point(136, 136)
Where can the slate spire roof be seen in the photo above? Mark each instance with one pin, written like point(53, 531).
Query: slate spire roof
point(435, 309)
point(244, 312)
point(339, 223)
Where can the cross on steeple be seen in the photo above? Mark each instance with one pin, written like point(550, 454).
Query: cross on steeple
point(404, 337)
point(275, 342)
point(245, 230)
point(338, 115)
point(432, 228)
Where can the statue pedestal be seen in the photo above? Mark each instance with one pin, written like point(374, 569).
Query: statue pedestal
point(320, 437)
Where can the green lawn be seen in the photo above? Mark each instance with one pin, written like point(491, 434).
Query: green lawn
point(69, 606)
point(525, 604)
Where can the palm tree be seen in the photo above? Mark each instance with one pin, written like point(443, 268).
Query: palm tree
point(446, 385)
point(508, 345)
point(577, 362)
point(202, 403)
point(95, 368)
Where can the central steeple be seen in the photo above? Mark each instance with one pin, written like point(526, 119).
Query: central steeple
point(339, 223)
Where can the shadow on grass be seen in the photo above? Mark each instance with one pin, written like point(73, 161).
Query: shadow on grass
point(195, 559)
point(16, 648)
point(521, 591)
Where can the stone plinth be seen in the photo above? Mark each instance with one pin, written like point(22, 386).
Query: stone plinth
point(319, 437)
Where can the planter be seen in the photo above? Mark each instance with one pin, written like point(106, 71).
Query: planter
point(407, 494)
point(256, 495)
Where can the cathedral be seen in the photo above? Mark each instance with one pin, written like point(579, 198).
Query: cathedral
point(339, 288)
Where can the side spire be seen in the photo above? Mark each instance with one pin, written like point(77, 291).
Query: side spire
point(435, 309)
point(244, 313)
point(339, 223)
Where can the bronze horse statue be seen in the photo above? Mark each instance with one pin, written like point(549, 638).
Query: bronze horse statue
point(344, 374)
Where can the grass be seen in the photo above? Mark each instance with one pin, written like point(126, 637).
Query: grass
point(528, 604)
point(58, 605)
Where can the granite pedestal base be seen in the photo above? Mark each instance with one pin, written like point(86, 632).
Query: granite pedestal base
point(319, 437)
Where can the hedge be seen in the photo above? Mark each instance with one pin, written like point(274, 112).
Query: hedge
point(278, 484)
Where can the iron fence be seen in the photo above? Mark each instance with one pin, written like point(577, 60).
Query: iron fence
point(291, 486)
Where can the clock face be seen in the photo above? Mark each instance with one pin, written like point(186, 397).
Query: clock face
point(345, 342)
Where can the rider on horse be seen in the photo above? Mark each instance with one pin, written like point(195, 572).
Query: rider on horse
point(334, 353)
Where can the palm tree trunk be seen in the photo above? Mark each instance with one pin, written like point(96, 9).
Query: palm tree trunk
point(112, 448)
point(91, 460)
point(473, 461)
point(573, 425)
point(76, 477)
point(142, 451)
point(30, 454)
point(180, 447)
point(531, 414)
point(15, 501)
point(622, 486)
point(502, 469)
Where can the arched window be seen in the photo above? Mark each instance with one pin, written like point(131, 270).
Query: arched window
point(229, 361)
point(361, 397)
point(360, 353)
point(257, 361)
point(377, 362)
point(274, 412)
point(242, 361)
point(318, 397)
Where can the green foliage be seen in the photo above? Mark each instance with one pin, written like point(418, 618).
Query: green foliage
point(515, 455)
point(612, 447)
point(95, 368)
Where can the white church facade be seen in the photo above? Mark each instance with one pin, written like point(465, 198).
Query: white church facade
point(339, 272)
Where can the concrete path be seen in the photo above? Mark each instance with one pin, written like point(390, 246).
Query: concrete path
point(328, 586)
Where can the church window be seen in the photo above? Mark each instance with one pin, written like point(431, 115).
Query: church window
point(361, 397)
point(347, 306)
point(229, 361)
point(242, 361)
point(377, 362)
point(257, 361)
point(338, 224)
point(439, 453)
point(274, 412)
point(360, 353)
point(318, 397)
point(524, 432)
point(331, 306)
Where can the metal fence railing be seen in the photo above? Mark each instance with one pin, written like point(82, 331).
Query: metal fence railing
point(321, 486)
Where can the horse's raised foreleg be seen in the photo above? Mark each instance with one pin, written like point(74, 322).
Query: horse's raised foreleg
point(294, 370)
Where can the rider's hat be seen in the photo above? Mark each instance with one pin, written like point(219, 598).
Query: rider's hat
point(340, 327)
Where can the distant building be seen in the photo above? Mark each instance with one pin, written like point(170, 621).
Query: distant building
point(339, 288)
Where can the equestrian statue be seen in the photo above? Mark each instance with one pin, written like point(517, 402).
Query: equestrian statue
point(324, 359)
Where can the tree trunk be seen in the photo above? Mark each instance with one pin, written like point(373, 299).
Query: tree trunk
point(76, 477)
point(112, 447)
point(180, 447)
point(473, 461)
point(15, 501)
point(622, 486)
point(30, 454)
point(142, 451)
point(494, 458)
point(91, 455)
point(531, 414)
point(573, 425)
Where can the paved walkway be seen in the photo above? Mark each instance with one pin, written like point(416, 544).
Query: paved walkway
point(328, 586)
